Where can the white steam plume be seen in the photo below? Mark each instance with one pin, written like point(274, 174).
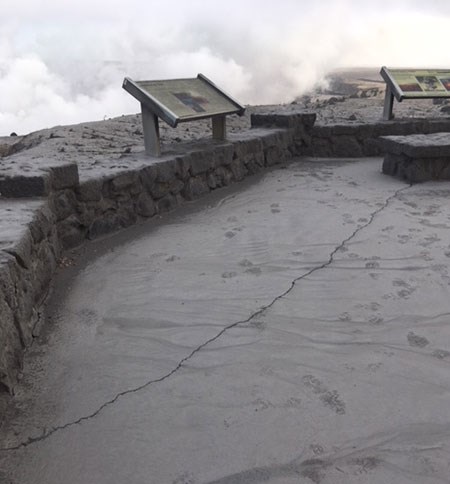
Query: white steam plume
point(64, 62)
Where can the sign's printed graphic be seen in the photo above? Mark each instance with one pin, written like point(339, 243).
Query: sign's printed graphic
point(192, 101)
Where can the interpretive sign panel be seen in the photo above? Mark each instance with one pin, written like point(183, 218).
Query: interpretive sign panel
point(414, 84)
point(180, 100)
point(189, 99)
point(407, 83)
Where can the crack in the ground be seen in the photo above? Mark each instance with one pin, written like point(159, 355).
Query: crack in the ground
point(48, 433)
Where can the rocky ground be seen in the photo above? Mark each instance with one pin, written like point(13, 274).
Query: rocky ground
point(354, 95)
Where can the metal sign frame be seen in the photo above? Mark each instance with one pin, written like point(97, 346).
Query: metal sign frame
point(153, 108)
point(416, 88)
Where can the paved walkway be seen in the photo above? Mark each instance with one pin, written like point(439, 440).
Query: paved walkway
point(294, 331)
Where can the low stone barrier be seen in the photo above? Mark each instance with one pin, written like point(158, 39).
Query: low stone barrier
point(365, 139)
point(28, 257)
point(417, 158)
point(70, 206)
point(352, 139)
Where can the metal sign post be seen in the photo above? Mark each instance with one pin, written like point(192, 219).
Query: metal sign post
point(219, 127)
point(388, 104)
point(181, 100)
point(150, 125)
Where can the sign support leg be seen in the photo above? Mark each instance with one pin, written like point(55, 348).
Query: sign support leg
point(151, 132)
point(388, 104)
point(219, 127)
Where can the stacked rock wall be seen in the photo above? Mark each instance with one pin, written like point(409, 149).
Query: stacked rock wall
point(28, 258)
point(417, 158)
point(68, 208)
point(364, 139)
point(95, 207)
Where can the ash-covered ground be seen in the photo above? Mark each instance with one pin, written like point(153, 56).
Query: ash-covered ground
point(352, 96)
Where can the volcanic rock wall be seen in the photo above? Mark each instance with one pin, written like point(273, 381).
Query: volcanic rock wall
point(68, 207)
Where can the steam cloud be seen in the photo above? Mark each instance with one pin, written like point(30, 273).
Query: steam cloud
point(64, 62)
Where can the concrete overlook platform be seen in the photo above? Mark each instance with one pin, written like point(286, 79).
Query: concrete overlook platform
point(292, 330)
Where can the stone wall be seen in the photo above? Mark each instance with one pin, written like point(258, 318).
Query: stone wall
point(96, 206)
point(351, 139)
point(70, 206)
point(28, 258)
point(417, 158)
point(364, 139)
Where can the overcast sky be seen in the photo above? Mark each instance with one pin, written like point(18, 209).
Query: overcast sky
point(63, 61)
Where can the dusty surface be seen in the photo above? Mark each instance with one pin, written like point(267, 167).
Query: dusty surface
point(295, 330)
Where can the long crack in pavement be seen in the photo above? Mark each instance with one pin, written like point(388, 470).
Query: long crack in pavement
point(48, 433)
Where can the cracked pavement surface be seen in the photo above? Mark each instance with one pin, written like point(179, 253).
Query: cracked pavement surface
point(289, 329)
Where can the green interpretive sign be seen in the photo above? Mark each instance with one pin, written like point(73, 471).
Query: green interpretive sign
point(423, 83)
point(179, 100)
point(188, 98)
point(414, 84)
